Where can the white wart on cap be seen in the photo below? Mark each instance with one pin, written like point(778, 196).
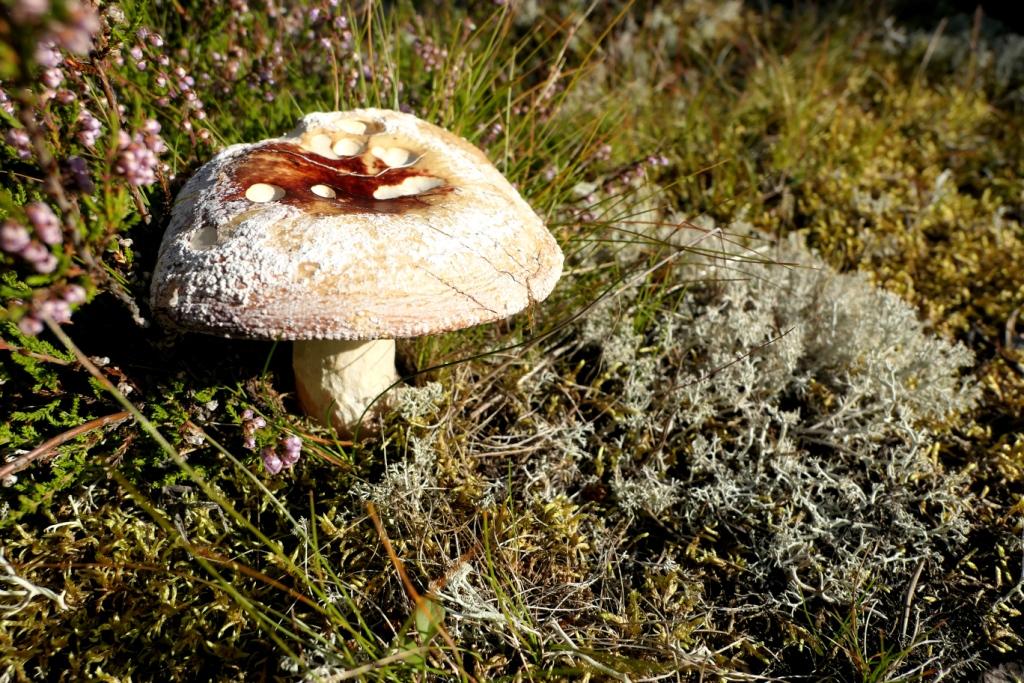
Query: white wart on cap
point(365, 224)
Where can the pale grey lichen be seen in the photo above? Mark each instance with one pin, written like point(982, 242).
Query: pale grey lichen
point(416, 403)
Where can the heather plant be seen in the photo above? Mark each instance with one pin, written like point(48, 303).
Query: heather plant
point(767, 426)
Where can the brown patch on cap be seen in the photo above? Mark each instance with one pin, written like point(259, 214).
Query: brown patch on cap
point(353, 179)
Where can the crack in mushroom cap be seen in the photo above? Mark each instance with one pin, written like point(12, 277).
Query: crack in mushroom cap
point(438, 241)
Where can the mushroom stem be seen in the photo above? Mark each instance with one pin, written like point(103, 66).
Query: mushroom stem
point(338, 380)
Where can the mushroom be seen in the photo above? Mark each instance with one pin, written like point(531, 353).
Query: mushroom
point(354, 229)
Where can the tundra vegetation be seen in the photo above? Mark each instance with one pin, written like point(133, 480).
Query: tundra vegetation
point(768, 425)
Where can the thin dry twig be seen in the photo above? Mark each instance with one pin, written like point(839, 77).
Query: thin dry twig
point(44, 449)
point(4, 346)
point(419, 603)
point(909, 600)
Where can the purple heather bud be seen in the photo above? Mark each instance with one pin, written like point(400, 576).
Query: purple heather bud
point(46, 223)
point(291, 449)
point(271, 461)
point(142, 33)
point(47, 55)
point(65, 96)
point(80, 174)
point(76, 34)
point(89, 128)
point(247, 414)
point(13, 237)
point(74, 294)
point(56, 310)
point(151, 127)
point(19, 140)
point(138, 160)
point(35, 253)
point(136, 53)
point(258, 422)
point(30, 325)
point(249, 442)
point(155, 40)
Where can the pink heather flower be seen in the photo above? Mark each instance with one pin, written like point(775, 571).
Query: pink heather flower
point(35, 253)
point(56, 310)
point(5, 102)
point(247, 414)
point(19, 140)
point(65, 96)
point(30, 326)
point(271, 461)
point(13, 237)
point(291, 449)
point(155, 40)
point(258, 422)
point(74, 294)
point(249, 442)
point(47, 55)
point(25, 11)
point(89, 128)
point(80, 174)
point(52, 78)
point(136, 53)
point(76, 34)
point(46, 223)
point(47, 264)
point(139, 160)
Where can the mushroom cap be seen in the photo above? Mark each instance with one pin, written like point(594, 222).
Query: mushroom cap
point(364, 224)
